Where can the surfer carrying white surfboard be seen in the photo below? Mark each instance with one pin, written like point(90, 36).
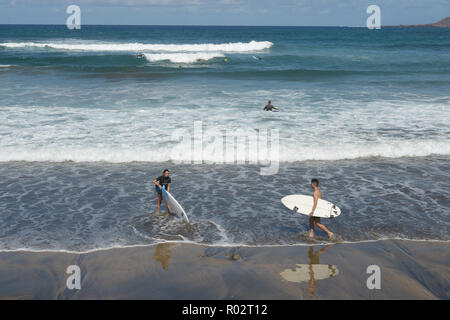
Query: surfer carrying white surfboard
point(270, 107)
point(317, 195)
point(160, 182)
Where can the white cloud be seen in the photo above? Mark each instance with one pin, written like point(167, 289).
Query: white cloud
point(102, 2)
point(120, 2)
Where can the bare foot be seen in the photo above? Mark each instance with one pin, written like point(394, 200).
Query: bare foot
point(311, 234)
point(330, 235)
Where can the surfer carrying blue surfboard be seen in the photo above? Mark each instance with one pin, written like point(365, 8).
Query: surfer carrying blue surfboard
point(160, 182)
point(316, 220)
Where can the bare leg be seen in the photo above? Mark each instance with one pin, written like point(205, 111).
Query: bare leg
point(168, 207)
point(158, 207)
point(321, 226)
point(311, 227)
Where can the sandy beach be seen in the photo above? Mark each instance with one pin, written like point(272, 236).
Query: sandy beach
point(409, 270)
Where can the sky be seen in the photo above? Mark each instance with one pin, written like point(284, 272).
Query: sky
point(224, 12)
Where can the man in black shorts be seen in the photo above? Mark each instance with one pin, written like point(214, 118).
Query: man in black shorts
point(160, 182)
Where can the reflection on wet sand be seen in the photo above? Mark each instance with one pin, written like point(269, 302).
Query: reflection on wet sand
point(311, 272)
point(162, 254)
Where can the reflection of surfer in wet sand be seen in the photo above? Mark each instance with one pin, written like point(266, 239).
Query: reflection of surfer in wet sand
point(312, 272)
point(160, 182)
point(314, 259)
point(162, 254)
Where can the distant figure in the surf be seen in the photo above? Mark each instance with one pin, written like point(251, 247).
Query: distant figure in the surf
point(316, 220)
point(160, 182)
point(140, 55)
point(270, 107)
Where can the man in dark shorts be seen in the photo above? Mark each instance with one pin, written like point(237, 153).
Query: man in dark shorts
point(160, 182)
point(317, 195)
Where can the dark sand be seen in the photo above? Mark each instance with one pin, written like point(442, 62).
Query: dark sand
point(409, 270)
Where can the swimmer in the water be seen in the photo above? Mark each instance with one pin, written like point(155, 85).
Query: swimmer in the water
point(270, 107)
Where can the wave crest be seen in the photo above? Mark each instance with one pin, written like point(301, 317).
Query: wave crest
point(183, 153)
point(147, 47)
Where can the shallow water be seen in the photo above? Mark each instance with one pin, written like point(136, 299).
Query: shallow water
point(85, 206)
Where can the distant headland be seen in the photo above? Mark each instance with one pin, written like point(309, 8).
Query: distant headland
point(444, 23)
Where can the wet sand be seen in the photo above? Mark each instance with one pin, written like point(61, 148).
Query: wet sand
point(409, 270)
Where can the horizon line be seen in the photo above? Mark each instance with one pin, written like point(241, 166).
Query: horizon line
point(177, 25)
point(402, 26)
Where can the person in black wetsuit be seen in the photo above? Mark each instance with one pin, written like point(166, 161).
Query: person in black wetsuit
point(160, 182)
point(270, 107)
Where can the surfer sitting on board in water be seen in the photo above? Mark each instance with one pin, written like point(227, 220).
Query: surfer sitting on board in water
point(270, 107)
point(312, 220)
point(160, 182)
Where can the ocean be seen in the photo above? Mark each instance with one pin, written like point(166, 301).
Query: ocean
point(88, 118)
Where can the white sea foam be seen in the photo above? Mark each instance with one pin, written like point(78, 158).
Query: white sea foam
point(137, 123)
point(147, 47)
point(161, 153)
point(216, 245)
point(386, 149)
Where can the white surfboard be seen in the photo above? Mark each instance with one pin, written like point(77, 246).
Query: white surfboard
point(303, 204)
point(175, 207)
point(307, 272)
